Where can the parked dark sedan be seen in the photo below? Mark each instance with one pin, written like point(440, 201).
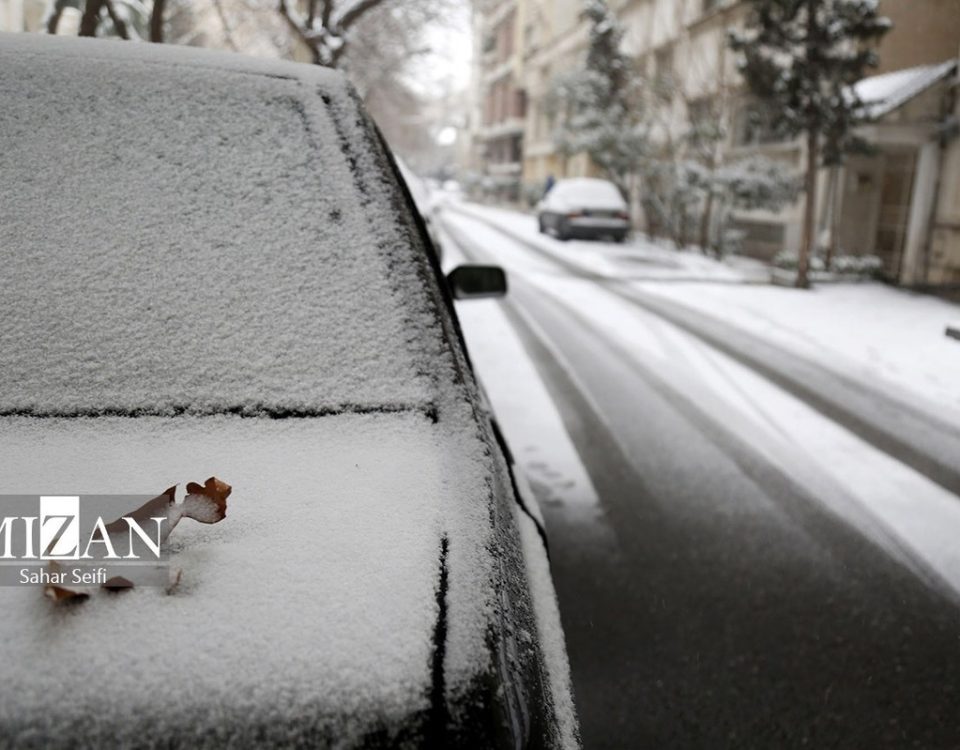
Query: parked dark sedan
point(210, 267)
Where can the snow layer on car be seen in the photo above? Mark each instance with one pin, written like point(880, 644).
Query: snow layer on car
point(266, 279)
point(366, 332)
point(309, 612)
point(585, 192)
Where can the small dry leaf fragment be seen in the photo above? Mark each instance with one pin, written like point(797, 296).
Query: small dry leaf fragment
point(117, 583)
point(175, 575)
point(207, 503)
point(62, 593)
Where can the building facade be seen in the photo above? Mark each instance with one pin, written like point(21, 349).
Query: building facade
point(22, 15)
point(499, 97)
point(901, 203)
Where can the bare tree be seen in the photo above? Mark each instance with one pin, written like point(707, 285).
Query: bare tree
point(156, 20)
point(127, 20)
point(325, 26)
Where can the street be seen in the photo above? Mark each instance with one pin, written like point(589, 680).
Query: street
point(739, 563)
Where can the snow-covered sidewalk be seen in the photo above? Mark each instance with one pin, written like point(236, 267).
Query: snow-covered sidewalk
point(873, 332)
point(636, 259)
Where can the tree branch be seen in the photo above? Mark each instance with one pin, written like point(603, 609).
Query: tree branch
point(55, 13)
point(298, 31)
point(156, 21)
point(353, 15)
point(90, 19)
point(326, 13)
point(118, 22)
point(227, 31)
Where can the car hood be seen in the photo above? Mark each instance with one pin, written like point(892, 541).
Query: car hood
point(308, 615)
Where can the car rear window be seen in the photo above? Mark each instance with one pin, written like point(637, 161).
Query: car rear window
point(591, 192)
point(178, 238)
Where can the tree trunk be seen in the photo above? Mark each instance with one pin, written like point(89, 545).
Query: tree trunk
point(54, 20)
point(809, 214)
point(705, 219)
point(156, 21)
point(834, 225)
point(118, 23)
point(91, 18)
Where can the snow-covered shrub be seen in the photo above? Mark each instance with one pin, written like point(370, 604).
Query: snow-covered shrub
point(862, 265)
point(731, 241)
point(597, 109)
point(533, 192)
point(788, 260)
point(757, 182)
point(866, 266)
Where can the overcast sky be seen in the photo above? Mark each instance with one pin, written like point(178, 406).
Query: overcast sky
point(448, 67)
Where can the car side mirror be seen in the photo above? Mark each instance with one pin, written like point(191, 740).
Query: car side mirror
point(472, 282)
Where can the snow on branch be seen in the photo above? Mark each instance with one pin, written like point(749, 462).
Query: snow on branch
point(326, 40)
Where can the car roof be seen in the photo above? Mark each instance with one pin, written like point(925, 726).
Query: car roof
point(168, 55)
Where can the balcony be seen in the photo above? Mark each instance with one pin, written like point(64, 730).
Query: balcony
point(510, 126)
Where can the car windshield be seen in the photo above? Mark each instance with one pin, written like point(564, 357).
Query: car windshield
point(207, 246)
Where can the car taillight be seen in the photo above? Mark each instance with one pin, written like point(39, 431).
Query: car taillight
point(623, 215)
point(574, 215)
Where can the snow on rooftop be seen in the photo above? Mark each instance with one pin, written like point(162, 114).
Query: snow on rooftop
point(884, 93)
point(178, 235)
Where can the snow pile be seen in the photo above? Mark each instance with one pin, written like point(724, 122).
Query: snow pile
point(263, 279)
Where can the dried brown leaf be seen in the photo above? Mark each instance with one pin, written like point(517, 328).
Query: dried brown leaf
point(158, 506)
point(216, 492)
point(117, 583)
point(206, 503)
point(60, 593)
point(175, 575)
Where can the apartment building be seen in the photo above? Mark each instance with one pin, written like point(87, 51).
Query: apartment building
point(902, 202)
point(500, 98)
point(555, 41)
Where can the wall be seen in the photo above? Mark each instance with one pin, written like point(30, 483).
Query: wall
point(924, 32)
point(943, 262)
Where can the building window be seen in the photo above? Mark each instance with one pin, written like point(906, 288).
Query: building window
point(760, 240)
point(704, 121)
point(520, 104)
point(504, 35)
point(516, 149)
point(664, 76)
point(700, 110)
point(752, 125)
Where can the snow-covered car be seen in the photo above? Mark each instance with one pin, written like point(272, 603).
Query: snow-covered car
point(209, 267)
point(584, 207)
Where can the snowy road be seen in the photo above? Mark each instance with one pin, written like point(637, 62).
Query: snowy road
point(735, 567)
